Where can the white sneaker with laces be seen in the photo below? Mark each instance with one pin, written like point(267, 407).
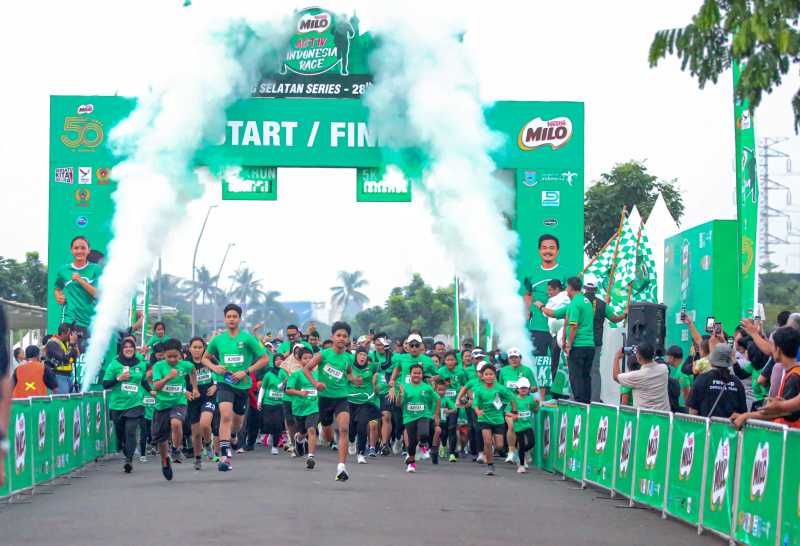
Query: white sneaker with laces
point(351, 449)
point(481, 458)
point(510, 457)
point(362, 459)
point(411, 468)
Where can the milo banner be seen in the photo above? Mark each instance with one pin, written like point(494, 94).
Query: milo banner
point(718, 501)
point(541, 371)
point(61, 413)
point(44, 440)
point(576, 440)
point(546, 437)
point(760, 483)
point(626, 438)
point(790, 502)
point(601, 438)
point(746, 198)
point(562, 435)
point(652, 453)
point(686, 457)
point(20, 453)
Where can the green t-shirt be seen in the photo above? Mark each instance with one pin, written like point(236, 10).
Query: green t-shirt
point(126, 394)
point(236, 354)
point(333, 368)
point(204, 375)
point(173, 393)
point(366, 391)
point(79, 308)
point(456, 379)
point(303, 405)
point(580, 315)
point(149, 403)
point(509, 375)
point(683, 380)
point(384, 372)
point(759, 391)
point(419, 402)
point(273, 385)
point(525, 411)
point(492, 401)
point(286, 346)
point(155, 339)
point(539, 279)
point(404, 361)
point(446, 404)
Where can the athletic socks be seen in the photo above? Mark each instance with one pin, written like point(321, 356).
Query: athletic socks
point(225, 448)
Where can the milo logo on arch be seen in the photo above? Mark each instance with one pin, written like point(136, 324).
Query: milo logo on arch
point(687, 456)
point(758, 479)
point(538, 132)
point(321, 41)
point(719, 483)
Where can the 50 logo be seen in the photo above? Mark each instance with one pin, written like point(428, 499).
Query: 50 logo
point(82, 133)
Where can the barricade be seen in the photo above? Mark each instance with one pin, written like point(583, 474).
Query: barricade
point(651, 458)
point(575, 448)
point(546, 434)
point(625, 445)
point(789, 515)
point(723, 453)
point(601, 442)
point(685, 477)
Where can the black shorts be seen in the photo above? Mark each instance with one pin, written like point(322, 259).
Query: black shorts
point(238, 397)
point(386, 404)
point(367, 412)
point(161, 428)
point(200, 406)
point(330, 408)
point(288, 416)
point(306, 422)
point(496, 429)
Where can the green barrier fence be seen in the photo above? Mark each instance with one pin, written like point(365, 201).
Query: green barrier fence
point(601, 439)
point(626, 442)
point(717, 508)
point(651, 457)
point(575, 452)
point(789, 532)
point(546, 432)
point(685, 471)
point(562, 426)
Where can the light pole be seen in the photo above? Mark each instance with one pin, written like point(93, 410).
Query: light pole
point(216, 282)
point(194, 260)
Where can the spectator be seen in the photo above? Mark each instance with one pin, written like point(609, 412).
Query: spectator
point(5, 392)
point(32, 377)
point(61, 356)
point(19, 355)
point(601, 313)
point(649, 382)
point(772, 373)
point(718, 393)
point(675, 361)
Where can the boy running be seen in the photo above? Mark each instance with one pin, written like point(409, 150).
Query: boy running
point(305, 405)
point(489, 399)
point(508, 377)
point(421, 405)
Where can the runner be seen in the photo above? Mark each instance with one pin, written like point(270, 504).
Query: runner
point(335, 375)
point(127, 384)
point(270, 404)
point(453, 378)
point(508, 377)
point(76, 288)
point(471, 379)
point(382, 359)
point(201, 409)
point(305, 404)
point(159, 335)
point(364, 405)
point(293, 337)
point(169, 382)
point(489, 398)
point(527, 405)
point(402, 362)
point(239, 354)
point(420, 403)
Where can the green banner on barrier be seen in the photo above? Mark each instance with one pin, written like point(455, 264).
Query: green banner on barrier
point(759, 484)
point(686, 468)
point(718, 502)
point(790, 506)
point(44, 469)
point(652, 439)
point(576, 440)
point(602, 428)
point(75, 435)
point(20, 451)
point(562, 433)
point(626, 439)
point(546, 437)
point(61, 449)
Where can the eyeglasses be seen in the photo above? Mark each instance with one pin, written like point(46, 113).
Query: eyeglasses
point(415, 344)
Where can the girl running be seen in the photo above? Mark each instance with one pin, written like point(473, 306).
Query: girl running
point(364, 406)
point(305, 405)
point(489, 399)
point(421, 407)
point(522, 420)
point(270, 404)
point(201, 409)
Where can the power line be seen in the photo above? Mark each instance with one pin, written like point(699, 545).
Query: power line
point(775, 220)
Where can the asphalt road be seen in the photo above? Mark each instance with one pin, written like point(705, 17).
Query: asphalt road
point(270, 499)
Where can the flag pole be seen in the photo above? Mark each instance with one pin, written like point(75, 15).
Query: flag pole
point(614, 259)
point(636, 257)
point(456, 316)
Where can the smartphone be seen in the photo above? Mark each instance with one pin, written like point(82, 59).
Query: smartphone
point(710, 321)
point(683, 314)
point(717, 328)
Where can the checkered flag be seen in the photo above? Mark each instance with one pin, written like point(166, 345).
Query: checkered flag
point(645, 285)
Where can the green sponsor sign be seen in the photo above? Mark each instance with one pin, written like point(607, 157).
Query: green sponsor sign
point(576, 440)
point(75, 430)
point(686, 458)
point(652, 442)
point(626, 443)
point(372, 185)
point(20, 453)
point(62, 413)
point(546, 437)
point(790, 503)
point(721, 465)
point(600, 436)
point(540, 366)
point(562, 434)
point(251, 184)
point(759, 484)
point(43, 440)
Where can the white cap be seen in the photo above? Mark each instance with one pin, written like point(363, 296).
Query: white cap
point(362, 339)
point(414, 337)
point(383, 341)
point(513, 351)
point(590, 281)
point(481, 366)
point(523, 382)
point(477, 353)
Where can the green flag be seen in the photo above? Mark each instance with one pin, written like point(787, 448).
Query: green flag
point(645, 285)
point(615, 268)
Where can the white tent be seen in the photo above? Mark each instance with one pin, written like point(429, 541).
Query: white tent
point(660, 226)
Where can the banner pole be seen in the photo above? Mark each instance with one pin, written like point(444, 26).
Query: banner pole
point(599, 252)
point(477, 337)
point(666, 477)
point(614, 258)
point(614, 466)
point(780, 486)
point(702, 506)
point(456, 314)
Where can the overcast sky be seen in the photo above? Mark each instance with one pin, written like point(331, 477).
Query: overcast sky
point(595, 52)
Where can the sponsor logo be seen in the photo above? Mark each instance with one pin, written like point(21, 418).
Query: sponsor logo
point(705, 262)
point(687, 456)
point(313, 23)
point(576, 432)
point(625, 448)
point(551, 198)
point(320, 43)
point(652, 446)
point(62, 426)
point(84, 175)
point(82, 197)
point(602, 435)
point(758, 480)
point(538, 132)
point(546, 437)
point(103, 175)
point(744, 120)
point(532, 178)
point(76, 430)
point(562, 436)
point(82, 134)
point(550, 222)
point(20, 443)
point(98, 417)
point(85, 108)
point(65, 175)
point(82, 221)
point(42, 428)
point(719, 482)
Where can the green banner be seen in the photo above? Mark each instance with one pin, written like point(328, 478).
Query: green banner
point(759, 484)
point(652, 443)
point(790, 503)
point(75, 430)
point(43, 454)
point(540, 366)
point(20, 453)
point(746, 197)
point(62, 413)
point(626, 443)
point(576, 440)
point(686, 467)
point(373, 185)
point(721, 462)
point(546, 436)
point(601, 433)
point(562, 434)
point(251, 184)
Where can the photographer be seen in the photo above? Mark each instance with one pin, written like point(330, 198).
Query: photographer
point(718, 393)
point(649, 382)
point(60, 354)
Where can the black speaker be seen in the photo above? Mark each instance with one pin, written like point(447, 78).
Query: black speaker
point(647, 322)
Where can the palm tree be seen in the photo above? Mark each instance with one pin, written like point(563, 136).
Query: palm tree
point(346, 297)
point(246, 288)
point(205, 285)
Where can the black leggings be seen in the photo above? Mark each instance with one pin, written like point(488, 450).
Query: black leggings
point(397, 422)
point(419, 431)
point(252, 426)
point(451, 432)
point(144, 435)
point(126, 429)
point(475, 434)
point(272, 422)
point(359, 427)
point(525, 442)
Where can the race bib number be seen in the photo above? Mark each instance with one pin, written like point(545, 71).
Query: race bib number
point(450, 393)
point(408, 380)
point(524, 414)
point(174, 389)
point(276, 395)
point(415, 407)
point(233, 359)
point(204, 375)
point(498, 404)
point(333, 372)
point(130, 387)
point(310, 392)
point(511, 384)
point(149, 401)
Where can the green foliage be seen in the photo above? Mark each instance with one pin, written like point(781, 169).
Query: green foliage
point(781, 289)
point(26, 281)
point(346, 298)
point(627, 184)
point(762, 33)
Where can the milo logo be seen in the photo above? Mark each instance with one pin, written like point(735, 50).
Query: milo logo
point(20, 443)
point(687, 456)
point(537, 132)
point(62, 426)
point(313, 23)
point(625, 448)
point(652, 446)
point(42, 428)
point(76, 429)
point(719, 482)
point(98, 417)
point(576, 432)
point(602, 435)
point(546, 437)
point(562, 436)
point(88, 414)
point(758, 479)
point(321, 42)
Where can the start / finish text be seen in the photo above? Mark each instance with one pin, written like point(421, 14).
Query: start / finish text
point(289, 134)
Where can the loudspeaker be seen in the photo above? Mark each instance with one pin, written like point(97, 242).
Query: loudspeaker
point(647, 322)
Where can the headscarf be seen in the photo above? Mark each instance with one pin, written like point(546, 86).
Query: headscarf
point(125, 361)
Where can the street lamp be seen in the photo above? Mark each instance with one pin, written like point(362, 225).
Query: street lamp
point(194, 260)
point(216, 282)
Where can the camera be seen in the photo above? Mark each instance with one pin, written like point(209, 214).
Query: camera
point(630, 351)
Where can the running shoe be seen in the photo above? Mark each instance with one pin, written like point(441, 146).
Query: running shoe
point(371, 453)
point(490, 470)
point(411, 468)
point(396, 447)
point(274, 451)
point(521, 470)
point(215, 459)
point(351, 449)
point(334, 446)
point(224, 464)
point(128, 468)
point(510, 458)
point(167, 470)
point(406, 458)
point(362, 459)
point(426, 453)
point(453, 458)
point(386, 450)
point(143, 459)
point(442, 451)
point(341, 473)
point(240, 450)
point(177, 456)
point(481, 458)
point(310, 462)
point(198, 465)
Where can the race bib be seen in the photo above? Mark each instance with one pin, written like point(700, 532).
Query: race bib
point(511, 384)
point(204, 375)
point(524, 414)
point(276, 395)
point(415, 407)
point(333, 372)
point(149, 401)
point(408, 380)
point(130, 387)
point(173, 389)
point(233, 359)
point(498, 404)
point(450, 393)
point(310, 392)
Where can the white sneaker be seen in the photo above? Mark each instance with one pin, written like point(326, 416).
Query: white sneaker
point(481, 458)
point(362, 459)
point(274, 451)
point(426, 454)
point(521, 470)
point(351, 449)
point(411, 468)
point(510, 457)
point(396, 447)
point(341, 473)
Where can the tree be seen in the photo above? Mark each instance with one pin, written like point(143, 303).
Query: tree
point(205, 286)
point(627, 184)
point(345, 298)
point(247, 289)
point(376, 319)
point(26, 281)
point(420, 306)
point(763, 34)
point(271, 313)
